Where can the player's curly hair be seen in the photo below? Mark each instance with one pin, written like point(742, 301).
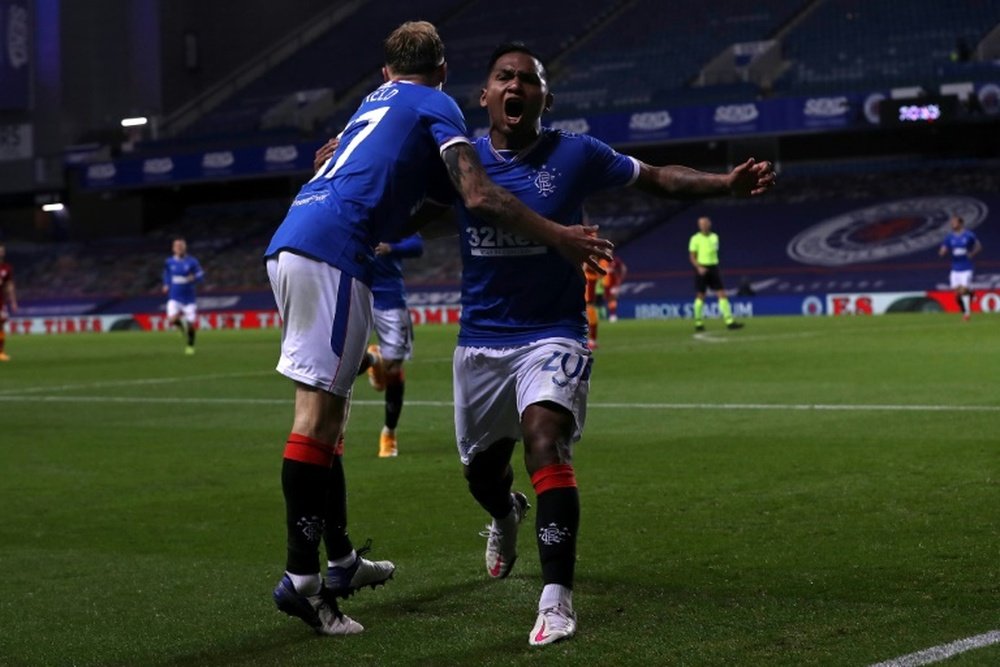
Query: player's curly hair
point(512, 47)
point(414, 48)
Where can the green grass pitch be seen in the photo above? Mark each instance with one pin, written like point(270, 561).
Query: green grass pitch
point(803, 491)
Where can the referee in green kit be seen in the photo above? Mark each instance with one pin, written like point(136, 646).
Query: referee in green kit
point(704, 252)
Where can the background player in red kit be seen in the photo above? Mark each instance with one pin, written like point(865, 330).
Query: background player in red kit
point(8, 298)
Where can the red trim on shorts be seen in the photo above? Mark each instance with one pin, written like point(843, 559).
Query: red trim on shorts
point(304, 449)
point(555, 476)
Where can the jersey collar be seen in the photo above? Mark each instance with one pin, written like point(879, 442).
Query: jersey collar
point(516, 156)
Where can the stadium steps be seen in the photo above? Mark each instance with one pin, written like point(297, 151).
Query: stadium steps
point(181, 119)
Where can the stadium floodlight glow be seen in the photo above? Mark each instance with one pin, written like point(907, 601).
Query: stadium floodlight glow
point(138, 121)
point(53, 208)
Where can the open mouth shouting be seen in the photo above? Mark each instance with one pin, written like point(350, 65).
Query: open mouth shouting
point(513, 110)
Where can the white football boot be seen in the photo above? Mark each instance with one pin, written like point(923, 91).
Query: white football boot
point(501, 538)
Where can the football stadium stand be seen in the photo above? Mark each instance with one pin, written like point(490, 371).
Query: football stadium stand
point(861, 44)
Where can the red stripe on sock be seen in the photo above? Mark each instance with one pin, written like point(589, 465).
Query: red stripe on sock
point(304, 449)
point(555, 476)
point(338, 450)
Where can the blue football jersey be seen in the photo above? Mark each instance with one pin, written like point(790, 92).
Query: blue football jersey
point(388, 158)
point(959, 246)
point(387, 284)
point(514, 290)
point(180, 277)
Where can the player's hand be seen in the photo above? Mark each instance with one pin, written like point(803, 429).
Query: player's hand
point(382, 249)
point(325, 152)
point(581, 245)
point(165, 289)
point(751, 178)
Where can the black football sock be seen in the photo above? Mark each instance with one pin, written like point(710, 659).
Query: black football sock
point(305, 476)
point(367, 361)
point(190, 333)
point(556, 522)
point(960, 301)
point(393, 401)
point(338, 544)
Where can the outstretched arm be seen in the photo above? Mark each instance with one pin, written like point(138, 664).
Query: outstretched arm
point(748, 179)
point(578, 244)
point(407, 247)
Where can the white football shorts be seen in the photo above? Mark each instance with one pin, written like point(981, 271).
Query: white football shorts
point(395, 333)
point(190, 310)
point(961, 278)
point(326, 320)
point(493, 387)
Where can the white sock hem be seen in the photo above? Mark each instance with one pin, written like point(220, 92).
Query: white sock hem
point(346, 561)
point(306, 584)
point(554, 594)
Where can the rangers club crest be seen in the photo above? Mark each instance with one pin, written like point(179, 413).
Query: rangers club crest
point(545, 180)
point(553, 534)
point(884, 231)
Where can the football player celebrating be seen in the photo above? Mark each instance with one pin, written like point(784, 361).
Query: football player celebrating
point(405, 136)
point(522, 368)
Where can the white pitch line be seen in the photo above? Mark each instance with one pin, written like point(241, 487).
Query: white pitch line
point(708, 337)
point(102, 384)
point(943, 652)
point(169, 400)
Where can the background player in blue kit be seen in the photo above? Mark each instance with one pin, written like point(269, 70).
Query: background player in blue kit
point(181, 272)
point(405, 139)
point(394, 329)
point(383, 361)
point(962, 245)
point(522, 367)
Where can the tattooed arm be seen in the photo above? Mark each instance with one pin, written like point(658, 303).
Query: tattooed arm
point(578, 243)
point(747, 179)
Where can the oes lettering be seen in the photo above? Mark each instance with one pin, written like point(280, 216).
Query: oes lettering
point(849, 305)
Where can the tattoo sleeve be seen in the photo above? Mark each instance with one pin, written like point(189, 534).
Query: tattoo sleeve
point(681, 182)
point(488, 200)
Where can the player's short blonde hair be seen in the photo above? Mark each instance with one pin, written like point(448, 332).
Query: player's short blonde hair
point(414, 48)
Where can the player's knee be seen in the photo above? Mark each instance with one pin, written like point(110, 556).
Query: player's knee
point(490, 464)
point(548, 441)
